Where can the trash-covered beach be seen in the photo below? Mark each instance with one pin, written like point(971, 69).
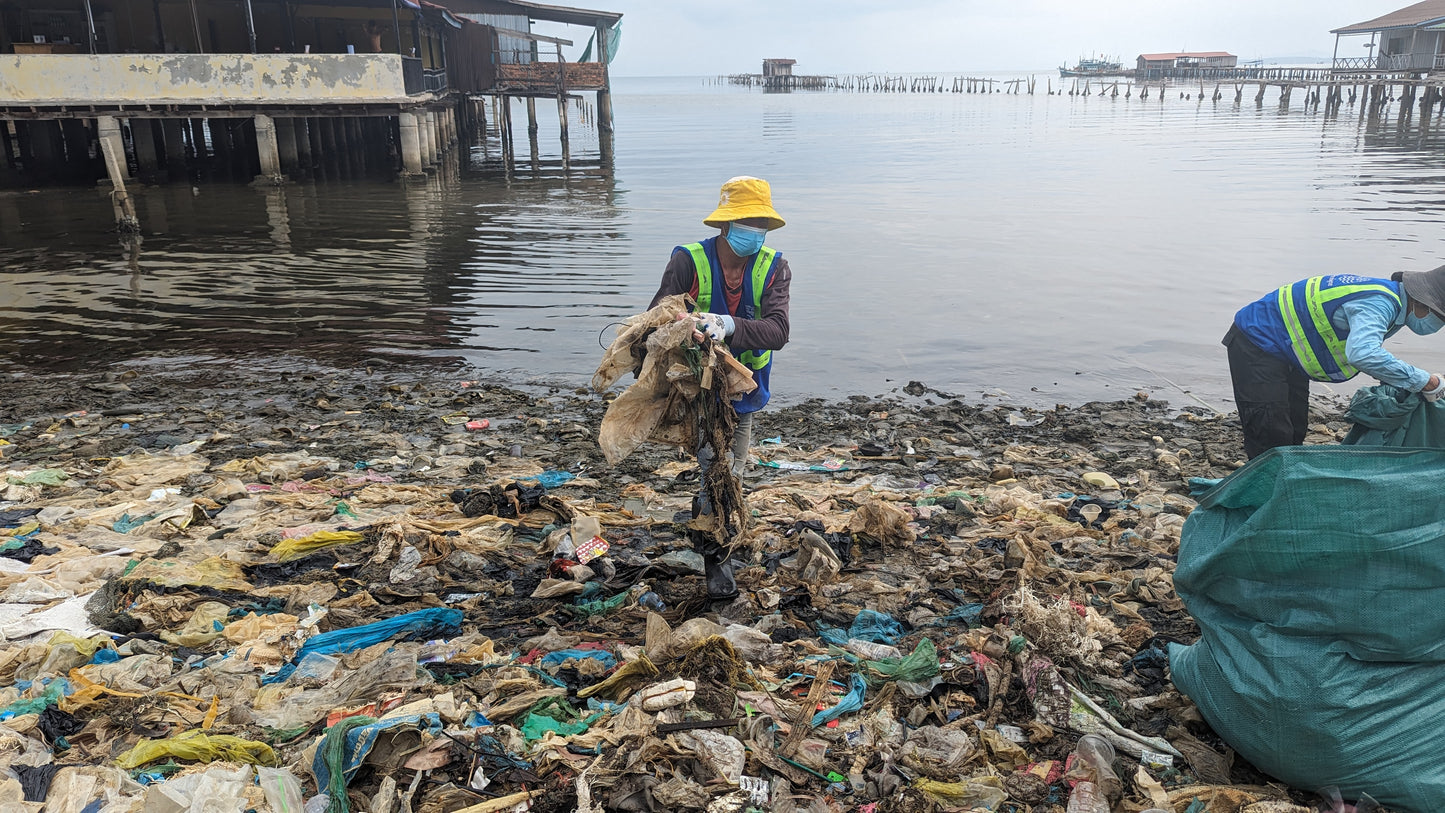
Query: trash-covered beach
point(410, 589)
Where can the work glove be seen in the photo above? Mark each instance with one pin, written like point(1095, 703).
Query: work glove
point(715, 325)
point(1433, 395)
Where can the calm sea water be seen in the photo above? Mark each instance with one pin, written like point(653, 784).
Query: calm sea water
point(1056, 249)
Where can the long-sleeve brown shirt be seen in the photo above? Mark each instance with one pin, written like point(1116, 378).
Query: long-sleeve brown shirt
point(769, 332)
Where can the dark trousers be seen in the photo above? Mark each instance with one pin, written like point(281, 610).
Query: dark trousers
point(1272, 394)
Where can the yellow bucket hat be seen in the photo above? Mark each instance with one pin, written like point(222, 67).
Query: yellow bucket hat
point(744, 197)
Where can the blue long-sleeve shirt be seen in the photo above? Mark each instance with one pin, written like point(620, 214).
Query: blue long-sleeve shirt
point(1370, 320)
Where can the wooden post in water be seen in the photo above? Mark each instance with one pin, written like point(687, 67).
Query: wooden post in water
point(411, 154)
point(143, 141)
point(113, 149)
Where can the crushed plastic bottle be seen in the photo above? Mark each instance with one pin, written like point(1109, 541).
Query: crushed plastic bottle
point(319, 803)
point(651, 601)
point(1094, 756)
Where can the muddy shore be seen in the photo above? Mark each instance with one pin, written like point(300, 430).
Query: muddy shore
point(963, 471)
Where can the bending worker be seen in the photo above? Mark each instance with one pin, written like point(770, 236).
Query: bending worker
point(741, 288)
point(1326, 329)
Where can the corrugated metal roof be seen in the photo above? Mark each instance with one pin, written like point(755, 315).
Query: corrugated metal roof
point(537, 11)
point(1430, 11)
point(1195, 54)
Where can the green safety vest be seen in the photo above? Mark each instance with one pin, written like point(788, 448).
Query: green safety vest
point(762, 263)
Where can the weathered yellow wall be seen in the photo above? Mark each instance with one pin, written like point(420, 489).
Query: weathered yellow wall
point(105, 79)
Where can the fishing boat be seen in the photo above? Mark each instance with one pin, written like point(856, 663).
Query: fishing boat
point(1094, 67)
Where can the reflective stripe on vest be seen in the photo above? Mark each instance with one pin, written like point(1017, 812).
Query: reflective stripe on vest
point(1306, 299)
point(762, 263)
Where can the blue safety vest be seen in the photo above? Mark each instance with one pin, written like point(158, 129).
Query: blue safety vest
point(1296, 322)
point(711, 299)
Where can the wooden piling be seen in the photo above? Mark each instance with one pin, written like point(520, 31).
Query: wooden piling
point(411, 151)
point(143, 143)
point(268, 151)
point(173, 143)
point(305, 158)
point(8, 172)
point(113, 148)
point(290, 154)
point(562, 120)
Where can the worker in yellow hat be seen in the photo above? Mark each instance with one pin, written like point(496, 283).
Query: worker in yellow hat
point(741, 290)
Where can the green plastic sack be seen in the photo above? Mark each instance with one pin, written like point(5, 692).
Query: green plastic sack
point(1316, 575)
point(1385, 415)
point(198, 746)
point(915, 667)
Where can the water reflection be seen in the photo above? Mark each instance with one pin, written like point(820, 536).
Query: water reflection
point(1058, 248)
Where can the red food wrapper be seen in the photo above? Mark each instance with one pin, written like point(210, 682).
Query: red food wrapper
point(481, 424)
point(591, 549)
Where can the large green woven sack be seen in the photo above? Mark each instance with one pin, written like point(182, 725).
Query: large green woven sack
point(1384, 415)
point(1317, 576)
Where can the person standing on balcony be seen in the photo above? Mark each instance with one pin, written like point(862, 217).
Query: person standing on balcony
point(741, 289)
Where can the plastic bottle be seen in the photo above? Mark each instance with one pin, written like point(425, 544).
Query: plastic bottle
point(1094, 757)
point(651, 601)
point(871, 651)
point(319, 803)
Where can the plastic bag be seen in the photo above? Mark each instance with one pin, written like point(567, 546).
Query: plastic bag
point(851, 702)
point(198, 746)
point(879, 628)
point(430, 623)
point(916, 667)
point(981, 793)
point(724, 753)
point(283, 791)
point(1315, 576)
point(937, 752)
point(288, 549)
point(204, 626)
point(285, 710)
point(215, 789)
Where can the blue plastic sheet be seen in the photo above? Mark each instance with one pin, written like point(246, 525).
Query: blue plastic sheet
point(880, 628)
point(105, 656)
point(552, 479)
point(851, 702)
point(832, 635)
point(127, 523)
point(561, 656)
point(432, 623)
point(437, 622)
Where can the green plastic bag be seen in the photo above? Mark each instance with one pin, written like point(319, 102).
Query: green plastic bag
point(1384, 415)
point(915, 667)
point(1316, 575)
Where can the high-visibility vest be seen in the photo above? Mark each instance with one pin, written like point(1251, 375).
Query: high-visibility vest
point(711, 299)
point(1295, 322)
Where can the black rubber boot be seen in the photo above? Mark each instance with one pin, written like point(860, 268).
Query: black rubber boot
point(717, 563)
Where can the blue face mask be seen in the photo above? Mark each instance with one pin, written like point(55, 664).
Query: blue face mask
point(745, 240)
point(1423, 326)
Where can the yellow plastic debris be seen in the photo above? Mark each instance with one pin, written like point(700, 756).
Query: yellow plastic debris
point(198, 746)
point(289, 549)
point(1100, 480)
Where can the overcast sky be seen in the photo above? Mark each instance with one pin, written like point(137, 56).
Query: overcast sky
point(706, 37)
